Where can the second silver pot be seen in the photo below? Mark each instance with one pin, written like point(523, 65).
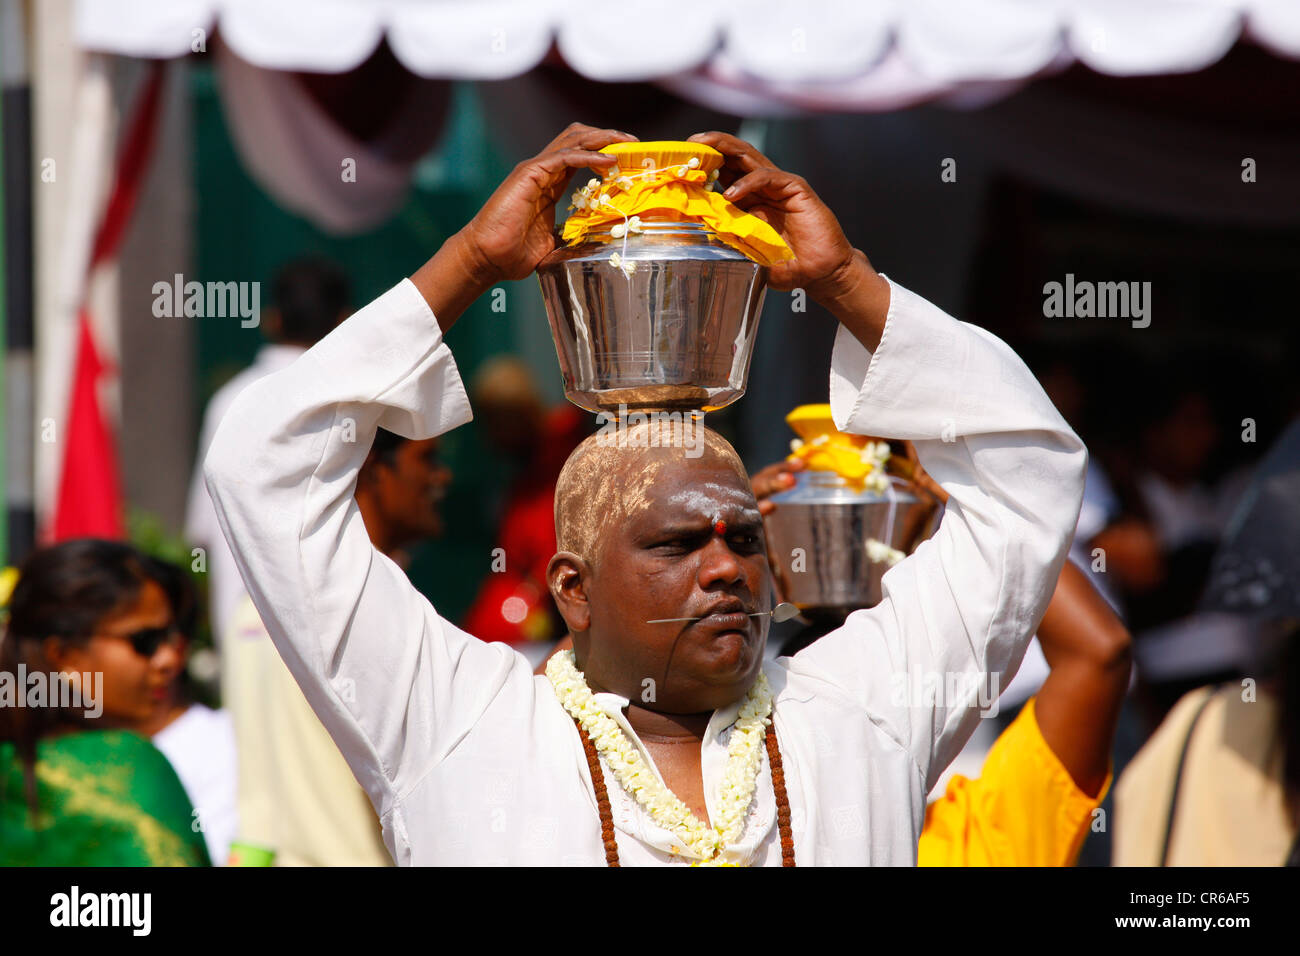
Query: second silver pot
point(818, 537)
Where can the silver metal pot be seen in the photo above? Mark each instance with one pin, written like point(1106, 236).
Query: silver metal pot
point(818, 538)
point(677, 333)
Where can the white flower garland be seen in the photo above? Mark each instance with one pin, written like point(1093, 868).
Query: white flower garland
point(876, 456)
point(881, 553)
point(637, 778)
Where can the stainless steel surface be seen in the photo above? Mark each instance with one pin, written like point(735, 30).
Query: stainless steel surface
point(830, 523)
point(678, 333)
point(783, 612)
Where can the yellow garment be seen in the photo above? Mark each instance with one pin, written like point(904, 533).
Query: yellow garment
point(1231, 807)
point(1024, 810)
point(670, 181)
point(8, 581)
point(297, 796)
point(823, 447)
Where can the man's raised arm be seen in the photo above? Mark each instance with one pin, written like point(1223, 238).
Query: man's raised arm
point(395, 685)
point(958, 613)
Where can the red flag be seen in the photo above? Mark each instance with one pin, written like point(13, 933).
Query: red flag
point(89, 502)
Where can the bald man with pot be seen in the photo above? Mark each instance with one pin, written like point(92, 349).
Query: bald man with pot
point(662, 738)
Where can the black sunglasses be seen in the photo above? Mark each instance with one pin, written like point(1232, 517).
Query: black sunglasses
point(146, 641)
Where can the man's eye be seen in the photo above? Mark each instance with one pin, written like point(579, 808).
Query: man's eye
point(681, 544)
point(676, 544)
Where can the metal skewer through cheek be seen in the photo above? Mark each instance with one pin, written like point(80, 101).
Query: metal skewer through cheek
point(781, 613)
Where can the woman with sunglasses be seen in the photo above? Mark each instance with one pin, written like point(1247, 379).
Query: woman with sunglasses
point(89, 652)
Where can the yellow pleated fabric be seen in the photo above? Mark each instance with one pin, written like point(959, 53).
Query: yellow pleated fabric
point(1023, 809)
point(669, 181)
point(823, 447)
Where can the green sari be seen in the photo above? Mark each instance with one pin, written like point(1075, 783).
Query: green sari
point(105, 797)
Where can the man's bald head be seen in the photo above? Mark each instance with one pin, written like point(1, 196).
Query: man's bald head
point(607, 479)
point(662, 564)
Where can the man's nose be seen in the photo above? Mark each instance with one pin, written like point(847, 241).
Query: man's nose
point(719, 564)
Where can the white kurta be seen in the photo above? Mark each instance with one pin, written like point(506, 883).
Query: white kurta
point(470, 759)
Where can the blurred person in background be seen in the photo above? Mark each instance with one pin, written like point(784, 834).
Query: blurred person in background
point(310, 297)
point(299, 803)
point(199, 741)
point(1169, 482)
point(514, 604)
point(1218, 784)
point(78, 786)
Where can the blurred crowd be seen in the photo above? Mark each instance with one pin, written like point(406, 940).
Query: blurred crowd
point(1205, 749)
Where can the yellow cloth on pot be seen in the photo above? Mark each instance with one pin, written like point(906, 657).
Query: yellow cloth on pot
point(670, 181)
point(823, 447)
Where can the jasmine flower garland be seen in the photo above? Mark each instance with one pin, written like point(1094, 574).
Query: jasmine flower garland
point(881, 553)
point(744, 757)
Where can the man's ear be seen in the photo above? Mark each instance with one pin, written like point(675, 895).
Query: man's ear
point(567, 577)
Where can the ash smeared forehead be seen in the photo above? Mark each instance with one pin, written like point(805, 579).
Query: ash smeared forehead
point(609, 477)
point(710, 498)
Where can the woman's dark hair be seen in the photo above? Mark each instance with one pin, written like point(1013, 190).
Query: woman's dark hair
point(64, 592)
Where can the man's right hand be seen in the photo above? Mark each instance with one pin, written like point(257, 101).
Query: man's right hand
point(515, 229)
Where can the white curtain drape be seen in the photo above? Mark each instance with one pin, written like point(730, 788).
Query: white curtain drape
point(309, 161)
point(753, 58)
point(846, 54)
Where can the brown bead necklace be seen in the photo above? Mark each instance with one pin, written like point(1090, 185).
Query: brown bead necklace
point(607, 817)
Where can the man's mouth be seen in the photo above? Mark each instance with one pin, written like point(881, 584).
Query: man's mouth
point(730, 614)
point(726, 622)
point(726, 616)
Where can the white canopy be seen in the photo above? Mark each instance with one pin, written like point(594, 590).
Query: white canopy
point(756, 55)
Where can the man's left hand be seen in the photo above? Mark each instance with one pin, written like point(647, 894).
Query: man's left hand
point(788, 204)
